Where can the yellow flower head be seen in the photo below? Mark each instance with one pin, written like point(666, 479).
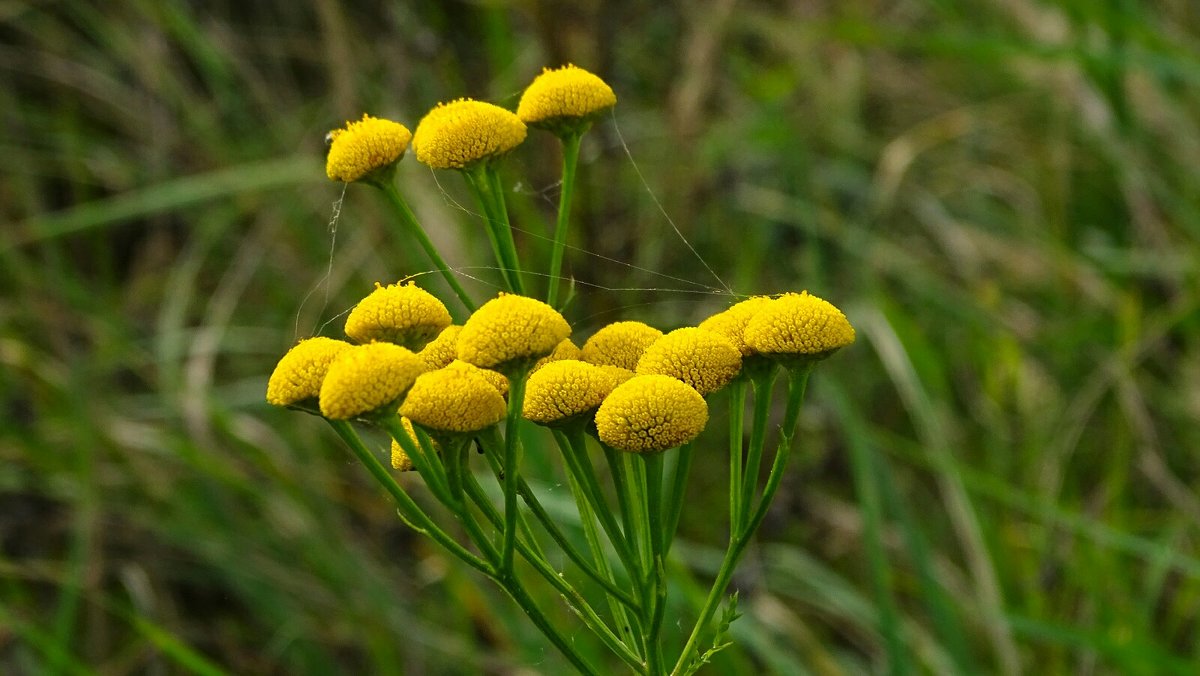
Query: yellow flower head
point(367, 378)
point(404, 314)
point(400, 459)
point(441, 350)
point(458, 134)
point(564, 350)
point(497, 379)
point(511, 329)
point(298, 376)
point(565, 389)
point(564, 95)
point(365, 146)
point(618, 374)
point(620, 344)
point(704, 359)
point(453, 400)
point(651, 413)
point(799, 325)
point(731, 323)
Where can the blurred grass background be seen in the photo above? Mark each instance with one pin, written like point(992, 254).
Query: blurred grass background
point(999, 477)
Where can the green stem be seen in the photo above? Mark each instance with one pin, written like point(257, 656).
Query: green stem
point(602, 578)
point(412, 513)
point(479, 189)
point(409, 222)
point(737, 412)
point(512, 465)
point(574, 450)
point(428, 465)
point(673, 507)
point(763, 384)
point(578, 603)
point(797, 382)
point(571, 142)
point(655, 605)
point(504, 231)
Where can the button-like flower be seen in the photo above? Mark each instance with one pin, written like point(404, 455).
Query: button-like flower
point(404, 314)
point(799, 325)
point(458, 134)
point(367, 379)
point(454, 401)
point(731, 323)
point(298, 375)
point(651, 413)
point(618, 374)
point(365, 146)
point(567, 349)
point(511, 330)
point(441, 350)
point(563, 97)
point(704, 359)
point(564, 390)
point(497, 379)
point(620, 344)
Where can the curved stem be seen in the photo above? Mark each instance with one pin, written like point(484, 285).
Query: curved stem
point(576, 600)
point(673, 507)
point(764, 385)
point(504, 233)
point(480, 189)
point(655, 606)
point(412, 513)
point(571, 142)
point(512, 466)
point(409, 221)
point(737, 412)
point(575, 455)
point(797, 382)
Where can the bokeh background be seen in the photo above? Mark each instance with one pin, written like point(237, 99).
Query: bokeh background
point(1001, 476)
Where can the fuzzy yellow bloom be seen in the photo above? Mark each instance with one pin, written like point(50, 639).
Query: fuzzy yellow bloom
point(704, 359)
point(441, 350)
point(365, 146)
point(299, 374)
point(498, 380)
point(567, 93)
point(798, 324)
point(564, 350)
point(366, 378)
point(510, 330)
point(620, 344)
point(453, 400)
point(565, 389)
point(460, 133)
point(618, 374)
point(651, 413)
point(404, 314)
point(731, 323)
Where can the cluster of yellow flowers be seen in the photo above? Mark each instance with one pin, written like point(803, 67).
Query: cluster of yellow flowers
point(461, 133)
point(644, 389)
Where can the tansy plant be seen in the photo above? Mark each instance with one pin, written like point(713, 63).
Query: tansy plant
point(623, 413)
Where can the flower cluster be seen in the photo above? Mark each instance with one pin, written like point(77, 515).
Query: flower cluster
point(643, 389)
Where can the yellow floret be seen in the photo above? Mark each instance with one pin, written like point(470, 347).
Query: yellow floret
point(498, 380)
point(567, 92)
point(651, 413)
point(400, 459)
point(564, 350)
point(453, 400)
point(365, 146)
point(298, 375)
point(404, 314)
point(620, 344)
point(704, 359)
point(458, 134)
point(731, 323)
point(441, 350)
point(511, 330)
point(367, 378)
point(565, 389)
point(618, 374)
point(799, 324)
